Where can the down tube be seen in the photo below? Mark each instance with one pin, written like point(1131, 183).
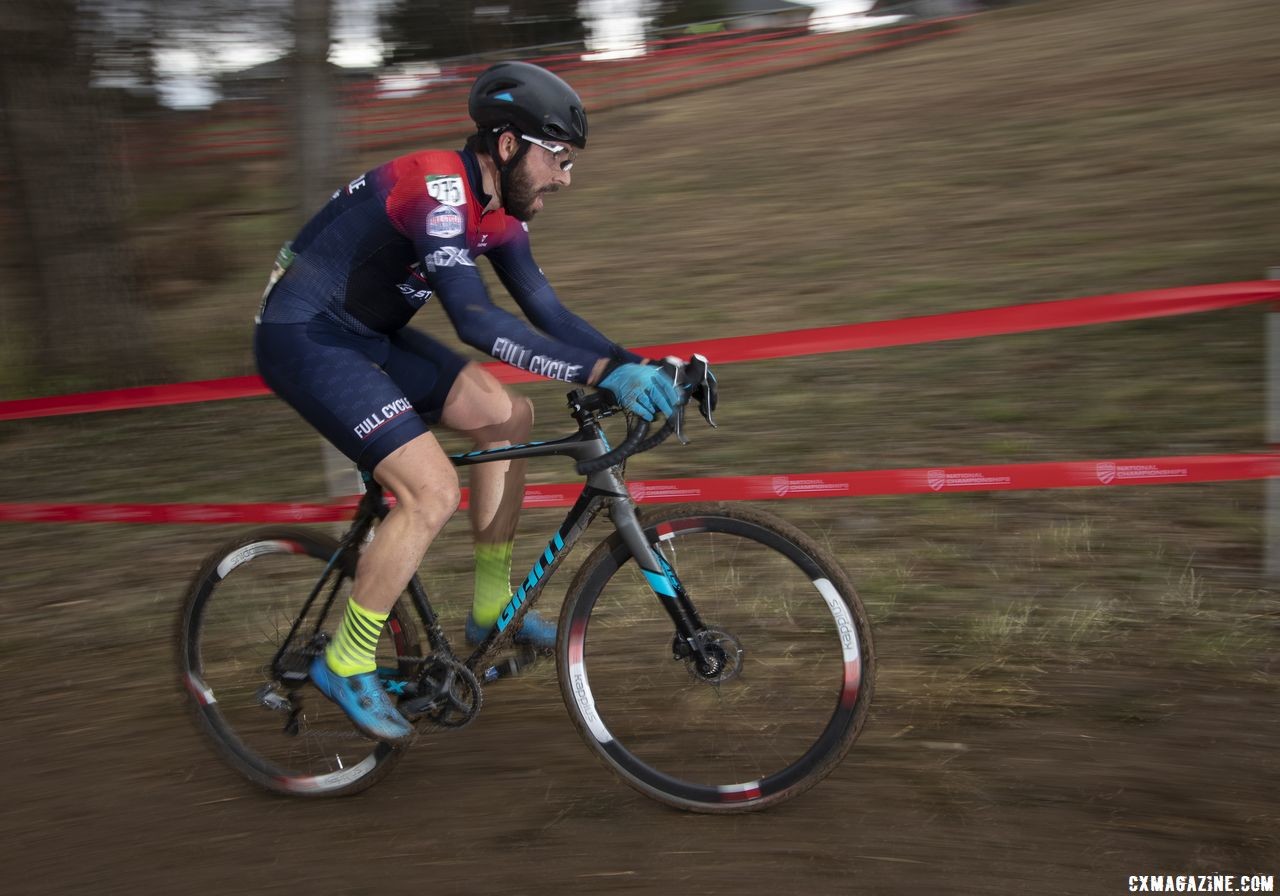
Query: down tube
point(575, 523)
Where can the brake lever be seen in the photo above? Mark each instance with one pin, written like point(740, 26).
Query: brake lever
point(677, 424)
point(695, 377)
point(704, 407)
point(702, 390)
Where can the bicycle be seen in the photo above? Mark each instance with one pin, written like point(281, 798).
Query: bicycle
point(713, 656)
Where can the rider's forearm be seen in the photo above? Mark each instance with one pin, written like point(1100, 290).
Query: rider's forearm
point(598, 371)
point(553, 318)
point(485, 327)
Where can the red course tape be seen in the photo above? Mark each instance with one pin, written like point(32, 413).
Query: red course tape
point(880, 334)
point(821, 340)
point(921, 480)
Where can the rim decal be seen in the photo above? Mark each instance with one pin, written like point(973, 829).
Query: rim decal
point(844, 622)
point(669, 530)
point(582, 695)
point(200, 690)
point(736, 793)
point(852, 684)
point(332, 779)
point(248, 552)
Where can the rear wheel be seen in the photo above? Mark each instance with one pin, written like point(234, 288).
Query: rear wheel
point(252, 698)
point(775, 697)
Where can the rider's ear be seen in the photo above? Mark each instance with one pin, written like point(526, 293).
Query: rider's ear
point(508, 143)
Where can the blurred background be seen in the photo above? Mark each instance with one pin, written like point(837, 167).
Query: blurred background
point(155, 121)
point(1075, 686)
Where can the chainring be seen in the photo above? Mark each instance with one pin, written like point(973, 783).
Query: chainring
point(448, 694)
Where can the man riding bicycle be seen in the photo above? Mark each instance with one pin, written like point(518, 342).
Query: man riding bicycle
point(332, 340)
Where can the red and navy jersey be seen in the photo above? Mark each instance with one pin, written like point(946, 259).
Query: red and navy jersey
point(415, 227)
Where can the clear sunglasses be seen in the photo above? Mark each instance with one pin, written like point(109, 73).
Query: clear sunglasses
point(555, 149)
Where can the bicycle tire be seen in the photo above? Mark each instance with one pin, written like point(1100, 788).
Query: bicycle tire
point(234, 616)
point(790, 620)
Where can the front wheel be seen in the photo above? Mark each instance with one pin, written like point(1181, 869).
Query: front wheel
point(256, 614)
point(772, 701)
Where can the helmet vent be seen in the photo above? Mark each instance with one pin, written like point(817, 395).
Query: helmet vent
point(503, 84)
point(530, 99)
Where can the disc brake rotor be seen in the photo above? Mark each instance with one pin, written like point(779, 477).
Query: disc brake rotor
point(722, 660)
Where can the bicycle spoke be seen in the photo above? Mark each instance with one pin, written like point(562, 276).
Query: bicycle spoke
point(777, 710)
point(281, 733)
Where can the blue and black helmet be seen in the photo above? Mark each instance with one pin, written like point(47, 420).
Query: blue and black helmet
point(529, 99)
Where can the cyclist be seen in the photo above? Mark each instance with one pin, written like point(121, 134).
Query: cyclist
point(332, 340)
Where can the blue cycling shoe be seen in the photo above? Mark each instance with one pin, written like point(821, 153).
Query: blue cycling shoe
point(534, 631)
point(364, 701)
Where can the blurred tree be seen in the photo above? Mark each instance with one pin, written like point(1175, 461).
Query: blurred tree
point(70, 296)
point(427, 29)
point(136, 43)
point(70, 287)
point(316, 134)
point(674, 13)
point(424, 30)
point(122, 38)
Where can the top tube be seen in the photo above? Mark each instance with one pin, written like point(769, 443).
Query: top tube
point(588, 442)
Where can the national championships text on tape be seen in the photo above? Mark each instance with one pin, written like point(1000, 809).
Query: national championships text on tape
point(922, 480)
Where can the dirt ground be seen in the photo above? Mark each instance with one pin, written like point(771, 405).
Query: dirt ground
point(120, 797)
point(1115, 767)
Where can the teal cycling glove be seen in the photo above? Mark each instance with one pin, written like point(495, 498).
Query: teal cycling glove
point(643, 389)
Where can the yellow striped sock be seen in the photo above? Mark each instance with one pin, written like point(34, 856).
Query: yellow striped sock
point(493, 581)
point(352, 650)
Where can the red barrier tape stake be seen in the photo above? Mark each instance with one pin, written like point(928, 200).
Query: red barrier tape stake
point(922, 480)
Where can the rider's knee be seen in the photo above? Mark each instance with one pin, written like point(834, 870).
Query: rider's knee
point(433, 499)
point(521, 422)
point(512, 423)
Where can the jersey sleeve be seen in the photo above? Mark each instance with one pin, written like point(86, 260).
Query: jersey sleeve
point(438, 231)
point(520, 274)
point(486, 327)
point(433, 210)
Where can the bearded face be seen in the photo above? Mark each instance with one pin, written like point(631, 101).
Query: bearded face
point(525, 199)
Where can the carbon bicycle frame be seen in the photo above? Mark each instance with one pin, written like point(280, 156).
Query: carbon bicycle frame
point(603, 489)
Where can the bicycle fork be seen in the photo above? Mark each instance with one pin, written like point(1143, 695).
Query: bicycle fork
point(665, 583)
